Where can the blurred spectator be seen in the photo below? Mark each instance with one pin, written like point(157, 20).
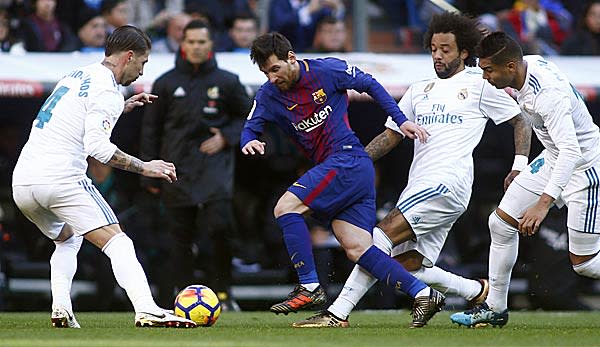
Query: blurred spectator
point(403, 13)
point(141, 13)
point(95, 4)
point(153, 15)
point(199, 11)
point(488, 12)
point(170, 43)
point(539, 26)
point(218, 11)
point(297, 19)
point(8, 42)
point(68, 12)
point(115, 13)
point(586, 38)
point(243, 29)
point(43, 32)
point(478, 7)
point(330, 36)
point(91, 31)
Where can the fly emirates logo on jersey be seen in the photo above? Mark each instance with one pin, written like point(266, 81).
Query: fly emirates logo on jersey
point(316, 120)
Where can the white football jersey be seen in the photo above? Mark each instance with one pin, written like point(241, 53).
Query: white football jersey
point(560, 120)
point(75, 122)
point(454, 111)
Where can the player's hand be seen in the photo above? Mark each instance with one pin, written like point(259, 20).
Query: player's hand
point(138, 100)
point(254, 147)
point(530, 223)
point(160, 169)
point(414, 131)
point(509, 178)
point(214, 144)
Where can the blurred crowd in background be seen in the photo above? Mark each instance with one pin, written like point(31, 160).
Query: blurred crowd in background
point(546, 27)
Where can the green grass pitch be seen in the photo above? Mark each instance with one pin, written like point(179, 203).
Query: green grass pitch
point(262, 329)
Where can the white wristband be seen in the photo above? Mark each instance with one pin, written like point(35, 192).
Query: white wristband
point(520, 162)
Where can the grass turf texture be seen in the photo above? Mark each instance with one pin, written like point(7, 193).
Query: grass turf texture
point(375, 328)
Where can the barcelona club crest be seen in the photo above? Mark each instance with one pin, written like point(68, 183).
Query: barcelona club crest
point(319, 96)
point(462, 94)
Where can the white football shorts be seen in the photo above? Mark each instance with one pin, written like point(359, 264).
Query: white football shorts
point(431, 212)
point(50, 206)
point(580, 196)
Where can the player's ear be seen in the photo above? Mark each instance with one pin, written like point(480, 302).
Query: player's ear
point(291, 56)
point(511, 65)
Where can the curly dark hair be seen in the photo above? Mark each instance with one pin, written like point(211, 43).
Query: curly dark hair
point(465, 30)
point(500, 48)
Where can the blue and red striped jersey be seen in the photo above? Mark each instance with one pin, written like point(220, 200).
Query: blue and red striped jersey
point(314, 111)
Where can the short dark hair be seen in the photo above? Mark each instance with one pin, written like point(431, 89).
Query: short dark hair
point(465, 30)
point(327, 20)
point(127, 37)
point(268, 44)
point(108, 5)
point(230, 22)
point(500, 48)
point(198, 24)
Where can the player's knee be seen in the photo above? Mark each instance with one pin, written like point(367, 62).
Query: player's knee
point(279, 210)
point(589, 268)
point(289, 203)
point(500, 230)
point(354, 251)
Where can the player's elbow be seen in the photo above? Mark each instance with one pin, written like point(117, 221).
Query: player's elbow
point(99, 150)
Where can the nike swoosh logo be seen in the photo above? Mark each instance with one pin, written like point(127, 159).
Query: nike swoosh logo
point(291, 107)
point(156, 315)
point(296, 184)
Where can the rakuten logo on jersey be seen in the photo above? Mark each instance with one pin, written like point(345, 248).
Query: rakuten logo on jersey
point(313, 122)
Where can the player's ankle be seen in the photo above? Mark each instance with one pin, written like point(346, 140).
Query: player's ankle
point(310, 286)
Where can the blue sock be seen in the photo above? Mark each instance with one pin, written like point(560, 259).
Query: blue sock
point(299, 246)
point(390, 272)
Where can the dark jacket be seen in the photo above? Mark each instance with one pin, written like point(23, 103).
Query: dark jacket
point(33, 36)
point(190, 101)
point(581, 42)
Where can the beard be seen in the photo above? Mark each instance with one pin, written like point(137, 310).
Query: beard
point(450, 69)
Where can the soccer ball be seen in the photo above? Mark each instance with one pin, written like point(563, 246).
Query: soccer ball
point(198, 303)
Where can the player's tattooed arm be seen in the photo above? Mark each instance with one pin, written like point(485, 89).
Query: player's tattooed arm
point(124, 161)
point(382, 144)
point(153, 168)
point(522, 134)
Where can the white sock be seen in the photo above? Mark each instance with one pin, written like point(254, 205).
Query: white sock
point(359, 281)
point(447, 282)
point(357, 284)
point(503, 256)
point(129, 273)
point(63, 265)
point(310, 286)
point(589, 268)
point(424, 292)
